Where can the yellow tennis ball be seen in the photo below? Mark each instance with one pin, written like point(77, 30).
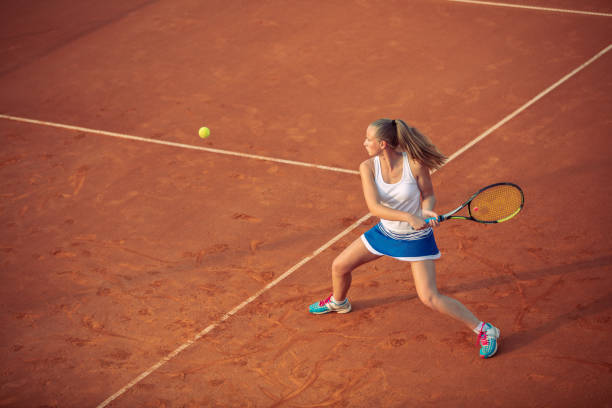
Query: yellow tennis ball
point(204, 132)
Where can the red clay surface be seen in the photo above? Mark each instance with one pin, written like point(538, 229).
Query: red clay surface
point(116, 252)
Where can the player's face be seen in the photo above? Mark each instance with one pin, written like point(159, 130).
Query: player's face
point(371, 143)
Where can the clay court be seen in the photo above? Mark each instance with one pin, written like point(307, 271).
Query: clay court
point(143, 266)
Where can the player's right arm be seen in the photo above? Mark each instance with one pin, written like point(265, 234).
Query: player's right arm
point(370, 192)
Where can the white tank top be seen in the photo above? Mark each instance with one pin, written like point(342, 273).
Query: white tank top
point(403, 196)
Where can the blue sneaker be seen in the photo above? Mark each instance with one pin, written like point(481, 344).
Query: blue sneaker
point(488, 339)
point(330, 305)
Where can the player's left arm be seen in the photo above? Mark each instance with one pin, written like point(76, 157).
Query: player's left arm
point(428, 198)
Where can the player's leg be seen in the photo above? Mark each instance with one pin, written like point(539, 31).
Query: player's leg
point(424, 273)
point(353, 256)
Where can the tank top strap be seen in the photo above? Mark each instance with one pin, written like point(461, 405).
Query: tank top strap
point(406, 173)
point(377, 171)
point(407, 176)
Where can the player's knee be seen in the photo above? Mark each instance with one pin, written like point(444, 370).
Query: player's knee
point(430, 299)
point(339, 267)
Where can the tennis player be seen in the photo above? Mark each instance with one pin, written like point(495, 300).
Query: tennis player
point(398, 189)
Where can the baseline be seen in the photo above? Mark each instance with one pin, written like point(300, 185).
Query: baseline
point(174, 144)
point(555, 10)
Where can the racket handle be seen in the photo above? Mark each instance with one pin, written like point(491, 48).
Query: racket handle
point(433, 218)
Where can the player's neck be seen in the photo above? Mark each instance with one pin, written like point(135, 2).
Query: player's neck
point(391, 158)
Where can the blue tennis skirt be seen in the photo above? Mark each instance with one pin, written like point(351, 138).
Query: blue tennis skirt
point(415, 246)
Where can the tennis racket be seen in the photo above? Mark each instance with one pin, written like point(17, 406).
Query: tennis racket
point(492, 204)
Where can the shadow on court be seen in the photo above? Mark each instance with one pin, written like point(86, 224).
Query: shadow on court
point(520, 339)
point(493, 281)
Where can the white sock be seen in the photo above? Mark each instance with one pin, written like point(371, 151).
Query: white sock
point(333, 299)
point(478, 328)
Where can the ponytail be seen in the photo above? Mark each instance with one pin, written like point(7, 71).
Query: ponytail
point(400, 136)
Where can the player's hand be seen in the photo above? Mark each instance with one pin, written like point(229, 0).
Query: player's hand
point(418, 223)
point(430, 214)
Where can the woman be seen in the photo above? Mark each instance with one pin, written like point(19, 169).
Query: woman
point(398, 189)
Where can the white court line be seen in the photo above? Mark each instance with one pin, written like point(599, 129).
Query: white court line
point(173, 144)
point(531, 102)
point(556, 10)
point(331, 242)
point(233, 311)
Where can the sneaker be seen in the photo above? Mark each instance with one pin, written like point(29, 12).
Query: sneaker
point(488, 339)
point(329, 305)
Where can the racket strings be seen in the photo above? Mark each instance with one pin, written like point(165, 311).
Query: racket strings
point(497, 203)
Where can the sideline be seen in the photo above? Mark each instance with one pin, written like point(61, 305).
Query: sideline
point(556, 10)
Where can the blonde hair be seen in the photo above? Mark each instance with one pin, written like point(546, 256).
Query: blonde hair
point(398, 134)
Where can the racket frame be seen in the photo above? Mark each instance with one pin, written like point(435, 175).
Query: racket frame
point(449, 215)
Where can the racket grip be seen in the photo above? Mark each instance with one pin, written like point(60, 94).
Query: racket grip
point(433, 218)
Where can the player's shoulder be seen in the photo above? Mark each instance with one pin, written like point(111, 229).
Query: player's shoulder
point(417, 167)
point(367, 165)
point(415, 164)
